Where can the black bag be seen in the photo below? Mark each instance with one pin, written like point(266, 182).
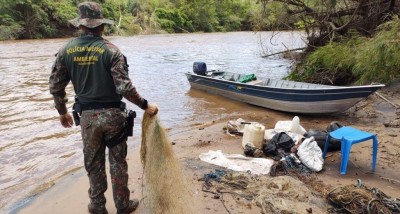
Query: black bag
point(320, 136)
point(283, 141)
point(278, 145)
point(269, 149)
point(333, 126)
point(334, 144)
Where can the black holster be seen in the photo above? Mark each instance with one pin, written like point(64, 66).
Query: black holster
point(76, 112)
point(131, 115)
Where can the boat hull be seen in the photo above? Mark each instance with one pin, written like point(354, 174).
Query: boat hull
point(308, 101)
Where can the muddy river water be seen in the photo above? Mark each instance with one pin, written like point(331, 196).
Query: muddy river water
point(34, 148)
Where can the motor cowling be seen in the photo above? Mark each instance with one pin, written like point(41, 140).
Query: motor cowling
point(200, 68)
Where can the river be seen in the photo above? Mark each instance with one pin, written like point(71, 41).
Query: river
point(34, 148)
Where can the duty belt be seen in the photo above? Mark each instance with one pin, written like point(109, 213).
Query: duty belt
point(94, 106)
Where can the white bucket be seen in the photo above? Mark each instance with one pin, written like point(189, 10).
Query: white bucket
point(253, 134)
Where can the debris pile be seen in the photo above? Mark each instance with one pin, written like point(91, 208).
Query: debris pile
point(293, 185)
point(273, 195)
point(361, 199)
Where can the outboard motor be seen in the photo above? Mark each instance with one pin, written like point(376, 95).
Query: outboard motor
point(200, 68)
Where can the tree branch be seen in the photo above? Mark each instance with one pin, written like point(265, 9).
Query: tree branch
point(281, 52)
point(348, 22)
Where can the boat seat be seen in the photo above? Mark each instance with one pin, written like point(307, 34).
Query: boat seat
point(292, 84)
point(236, 77)
point(275, 83)
point(266, 82)
point(227, 76)
point(231, 76)
point(255, 82)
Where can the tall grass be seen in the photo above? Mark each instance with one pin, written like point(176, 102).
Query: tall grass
point(379, 58)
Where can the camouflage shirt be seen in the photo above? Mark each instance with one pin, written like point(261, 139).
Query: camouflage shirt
point(94, 54)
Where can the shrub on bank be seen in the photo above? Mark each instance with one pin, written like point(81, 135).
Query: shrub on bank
point(358, 60)
point(173, 20)
point(10, 31)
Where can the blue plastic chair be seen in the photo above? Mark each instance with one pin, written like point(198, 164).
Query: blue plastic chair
point(349, 136)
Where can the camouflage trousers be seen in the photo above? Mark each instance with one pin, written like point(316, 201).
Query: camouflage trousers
point(98, 127)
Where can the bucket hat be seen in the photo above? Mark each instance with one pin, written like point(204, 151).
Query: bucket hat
point(90, 15)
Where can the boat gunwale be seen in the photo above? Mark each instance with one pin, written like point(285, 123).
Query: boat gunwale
point(314, 105)
point(330, 88)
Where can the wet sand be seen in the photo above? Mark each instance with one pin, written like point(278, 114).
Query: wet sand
point(69, 194)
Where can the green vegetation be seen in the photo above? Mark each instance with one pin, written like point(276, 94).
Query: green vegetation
point(34, 18)
point(173, 20)
point(359, 59)
point(31, 19)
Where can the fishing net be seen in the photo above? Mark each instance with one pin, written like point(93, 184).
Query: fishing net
point(282, 194)
point(289, 166)
point(165, 190)
point(347, 199)
point(360, 199)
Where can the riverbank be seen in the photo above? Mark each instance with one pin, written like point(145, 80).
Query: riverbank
point(69, 195)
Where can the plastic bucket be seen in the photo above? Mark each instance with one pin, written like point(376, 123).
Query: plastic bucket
point(253, 134)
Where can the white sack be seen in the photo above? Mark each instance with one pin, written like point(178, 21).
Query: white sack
point(238, 162)
point(310, 154)
point(290, 126)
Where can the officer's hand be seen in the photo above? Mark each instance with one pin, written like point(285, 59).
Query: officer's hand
point(66, 120)
point(151, 109)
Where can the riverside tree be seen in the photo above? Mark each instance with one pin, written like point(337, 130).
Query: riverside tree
point(349, 41)
point(330, 20)
point(29, 19)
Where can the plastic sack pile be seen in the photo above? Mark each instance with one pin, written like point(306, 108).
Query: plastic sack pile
point(165, 190)
point(287, 138)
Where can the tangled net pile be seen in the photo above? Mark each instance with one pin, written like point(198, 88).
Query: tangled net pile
point(291, 168)
point(165, 190)
point(350, 199)
point(360, 199)
point(283, 194)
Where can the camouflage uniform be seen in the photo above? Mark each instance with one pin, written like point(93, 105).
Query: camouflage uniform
point(99, 73)
point(97, 127)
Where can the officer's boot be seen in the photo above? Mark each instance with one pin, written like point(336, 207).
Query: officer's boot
point(133, 204)
point(96, 209)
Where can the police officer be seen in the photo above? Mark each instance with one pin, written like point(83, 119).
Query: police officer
point(99, 74)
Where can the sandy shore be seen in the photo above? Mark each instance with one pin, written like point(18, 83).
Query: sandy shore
point(69, 195)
